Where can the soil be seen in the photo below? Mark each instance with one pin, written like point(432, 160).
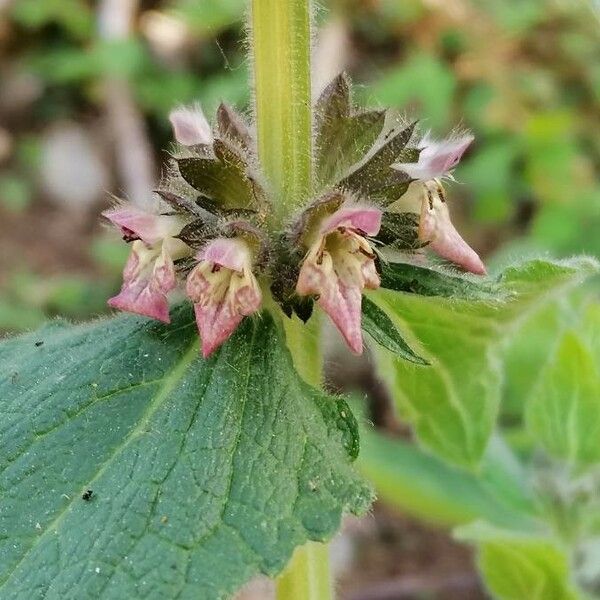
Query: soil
point(397, 558)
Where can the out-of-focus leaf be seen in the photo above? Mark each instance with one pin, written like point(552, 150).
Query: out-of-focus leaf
point(526, 353)
point(203, 473)
point(424, 84)
point(516, 16)
point(489, 173)
point(453, 409)
point(570, 228)
point(516, 565)
point(427, 488)
point(74, 15)
point(552, 157)
point(564, 411)
point(209, 17)
point(15, 192)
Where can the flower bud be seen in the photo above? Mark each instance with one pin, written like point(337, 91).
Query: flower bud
point(190, 126)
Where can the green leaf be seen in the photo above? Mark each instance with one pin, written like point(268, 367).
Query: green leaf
point(404, 277)
point(203, 473)
point(453, 408)
point(425, 487)
point(564, 411)
point(527, 351)
point(375, 178)
point(227, 179)
point(382, 329)
point(516, 566)
point(344, 136)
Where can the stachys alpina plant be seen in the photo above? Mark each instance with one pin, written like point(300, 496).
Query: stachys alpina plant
point(378, 199)
point(131, 466)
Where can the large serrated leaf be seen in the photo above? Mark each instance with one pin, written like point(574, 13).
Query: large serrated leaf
point(453, 409)
point(343, 136)
point(203, 473)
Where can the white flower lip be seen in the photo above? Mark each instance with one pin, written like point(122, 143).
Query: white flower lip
point(437, 158)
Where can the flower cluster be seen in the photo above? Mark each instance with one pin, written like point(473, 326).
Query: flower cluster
point(379, 197)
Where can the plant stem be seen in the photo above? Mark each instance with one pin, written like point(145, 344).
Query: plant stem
point(307, 577)
point(282, 83)
point(281, 39)
point(304, 342)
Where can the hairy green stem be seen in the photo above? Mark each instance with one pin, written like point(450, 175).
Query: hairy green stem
point(281, 40)
point(307, 577)
point(304, 342)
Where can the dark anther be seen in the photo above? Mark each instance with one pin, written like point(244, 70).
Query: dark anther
point(129, 235)
point(370, 255)
point(430, 199)
point(441, 193)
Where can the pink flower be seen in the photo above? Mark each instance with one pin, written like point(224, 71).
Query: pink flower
point(149, 274)
point(436, 228)
point(437, 159)
point(138, 224)
point(190, 126)
point(223, 289)
point(339, 265)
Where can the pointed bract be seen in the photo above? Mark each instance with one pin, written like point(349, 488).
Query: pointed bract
point(339, 266)
point(190, 126)
point(437, 158)
point(223, 289)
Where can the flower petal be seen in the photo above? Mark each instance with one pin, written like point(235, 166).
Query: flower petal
point(136, 223)
point(227, 252)
point(223, 289)
point(190, 126)
point(147, 279)
point(437, 228)
point(364, 219)
point(340, 301)
point(216, 323)
point(436, 158)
